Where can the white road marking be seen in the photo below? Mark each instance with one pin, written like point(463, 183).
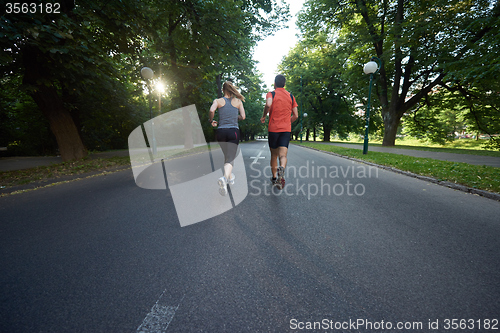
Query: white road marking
point(256, 158)
point(158, 319)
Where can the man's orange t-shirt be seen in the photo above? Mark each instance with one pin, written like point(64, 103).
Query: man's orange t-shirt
point(281, 111)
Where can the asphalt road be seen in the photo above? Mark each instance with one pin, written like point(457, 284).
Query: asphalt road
point(344, 245)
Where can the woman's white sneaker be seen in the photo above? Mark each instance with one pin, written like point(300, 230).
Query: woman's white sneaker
point(222, 185)
point(231, 180)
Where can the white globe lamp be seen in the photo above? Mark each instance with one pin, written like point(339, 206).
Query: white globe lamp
point(370, 67)
point(147, 73)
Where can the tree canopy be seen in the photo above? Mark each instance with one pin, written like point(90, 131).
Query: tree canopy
point(80, 67)
point(422, 45)
point(71, 79)
point(314, 75)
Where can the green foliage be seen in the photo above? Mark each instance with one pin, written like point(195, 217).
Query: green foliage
point(254, 104)
point(437, 119)
point(23, 129)
point(78, 47)
point(422, 44)
point(91, 54)
point(191, 43)
point(77, 53)
point(314, 72)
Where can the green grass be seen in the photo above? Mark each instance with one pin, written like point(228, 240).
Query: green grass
point(42, 173)
point(480, 177)
point(459, 146)
point(85, 166)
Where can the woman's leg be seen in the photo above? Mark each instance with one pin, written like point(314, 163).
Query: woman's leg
point(228, 140)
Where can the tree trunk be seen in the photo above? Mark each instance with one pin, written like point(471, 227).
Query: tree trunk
point(391, 124)
point(188, 135)
point(178, 78)
point(327, 130)
point(61, 122)
point(219, 86)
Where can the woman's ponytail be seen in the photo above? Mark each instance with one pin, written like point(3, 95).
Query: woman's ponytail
point(228, 87)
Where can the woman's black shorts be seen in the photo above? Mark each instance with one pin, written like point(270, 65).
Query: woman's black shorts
point(228, 139)
point(278, 139)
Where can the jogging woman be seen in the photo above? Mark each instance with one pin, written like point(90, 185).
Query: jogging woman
point(230, 111)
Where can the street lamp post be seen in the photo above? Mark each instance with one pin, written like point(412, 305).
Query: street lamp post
point(371, 68)
point(161, 89)
point(301, 116)
point(147, 73)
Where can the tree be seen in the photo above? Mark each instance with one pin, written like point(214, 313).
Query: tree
point(24, 130)
point(197, 43)
point(437, 118)
point(89, 55)
point(313, 73)
point(251, 88)
point(420, 44)
point(62, 53)
point(474, 74)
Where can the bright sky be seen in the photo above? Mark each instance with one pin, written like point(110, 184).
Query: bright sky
point(271, 50)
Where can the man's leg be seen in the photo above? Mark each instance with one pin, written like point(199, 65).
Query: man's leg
point(283, 142)
point(280, 181)
point(280, 141)
point(274, 160)
point(273, 147)
point(282, 153)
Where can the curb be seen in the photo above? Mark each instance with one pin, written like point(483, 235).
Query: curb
point(458, 187)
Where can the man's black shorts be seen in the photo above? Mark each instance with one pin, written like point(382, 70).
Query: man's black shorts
point(278, 139)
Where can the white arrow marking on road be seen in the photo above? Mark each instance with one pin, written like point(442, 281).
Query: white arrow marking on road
point(256, 158)
point(158, 318)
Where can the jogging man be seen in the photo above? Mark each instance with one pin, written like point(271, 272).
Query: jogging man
point(282, 109)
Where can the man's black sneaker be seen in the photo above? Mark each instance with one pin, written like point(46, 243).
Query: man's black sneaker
point(280, 181)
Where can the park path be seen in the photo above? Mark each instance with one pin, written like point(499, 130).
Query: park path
point(19, 163)
point(452, 157)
